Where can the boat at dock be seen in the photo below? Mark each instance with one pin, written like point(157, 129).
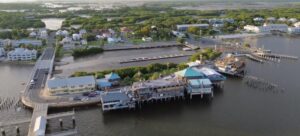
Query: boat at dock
point(230, 65)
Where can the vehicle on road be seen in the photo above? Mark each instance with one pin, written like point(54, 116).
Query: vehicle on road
point(32, 82)
point(77, 98)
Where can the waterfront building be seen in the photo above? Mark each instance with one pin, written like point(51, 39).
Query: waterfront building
point(17, 43)
point(159, 89)
point(22, 54)
point(190, 73)
point(71, 85)
point(114, 100)
point(199, 87)
point(294, 30)
point(184, 27)
point(2, 52)
point(266, 28)
point(109, 81)
point(211, 74)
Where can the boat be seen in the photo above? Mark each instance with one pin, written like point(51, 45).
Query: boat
point(230, 65)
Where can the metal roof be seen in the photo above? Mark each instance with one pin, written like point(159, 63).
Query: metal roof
point(197, 82)
point(112, 76)
point(114, 96)
point(189, 72)
point(103, 83)
point(73, 81)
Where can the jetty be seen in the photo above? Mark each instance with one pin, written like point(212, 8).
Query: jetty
point(154, 58)
point(280, 56)
point(142, 46)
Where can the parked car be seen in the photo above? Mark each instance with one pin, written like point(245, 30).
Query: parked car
point(77, 98)
point(85, 94)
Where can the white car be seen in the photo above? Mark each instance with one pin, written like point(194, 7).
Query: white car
point(32, 82)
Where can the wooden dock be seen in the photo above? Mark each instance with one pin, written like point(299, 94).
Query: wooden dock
point(280, 56)
point(137, 47)
point(154, 58)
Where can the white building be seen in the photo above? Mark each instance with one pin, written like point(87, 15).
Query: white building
point(64, 33)
point(71, 85)
point(271, 19)
point(43, 34)
point(294, 30)
point(22, 54)
point(17, 43)
point(258, 19)
point(282, 19)
point(76, 37)
point(33, 34)
point(266, 28)
point(4, 43)
point(66, 40)
point(297, 24)
point(293, 20)
point(2, 52)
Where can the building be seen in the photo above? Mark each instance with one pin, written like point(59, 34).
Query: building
point(297, 24)
point(43, 34)
point(4, 43)
point(22, 54)
point(266, 28)
point(63, 33)
point(71, 85)
point(190, 73)
point(211, 74)
point(159, 89)
point(114, 100)
point(258, 19)
point(110, 80)
point(82, 32)
point(293, 20)
point(76, 37)
point(184, 27)
point(17, 43)
point(294, 30)
point(2, 52)
point(33, 34)
point(282, 19)
point(271, 19)
point(199, 87)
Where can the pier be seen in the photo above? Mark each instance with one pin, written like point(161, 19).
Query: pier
point(155, 58)
point(142, 46)
point(280, 56)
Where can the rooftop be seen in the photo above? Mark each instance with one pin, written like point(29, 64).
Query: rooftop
point(73, 81)
point(189, 72)
point(114, 96)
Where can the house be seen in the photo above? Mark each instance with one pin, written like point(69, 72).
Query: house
point(293, 20)
point(266, 28)
point(4, 43)
point(184, 27)
point(297, 24)
point(271, 19)
point(110, 80)
point(282, 19)
point(83, 42)
point(258, 19)
point(71, 85)
point(82, 32)
point(2, 52)
point(114, 100)
point(76, 37)
point(113, 78)
point(147, 39)
point(294, 30)
point(113, 40)
point(22, 54)
point(63, 33)
point(17, 43)
point(33, 34)
point(43, 34)
point(66, 40)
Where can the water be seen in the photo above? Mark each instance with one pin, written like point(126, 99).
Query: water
point(53, 23)
point(236, 111)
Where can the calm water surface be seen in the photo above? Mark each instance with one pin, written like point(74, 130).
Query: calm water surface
point(236, 111)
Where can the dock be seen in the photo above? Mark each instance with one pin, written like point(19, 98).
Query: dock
point(155, 58)
point(280, 56)
point(142, 46)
